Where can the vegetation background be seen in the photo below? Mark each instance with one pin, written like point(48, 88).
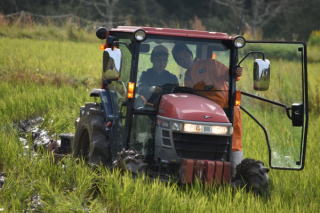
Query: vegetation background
point(49, 60)
point(273, 19)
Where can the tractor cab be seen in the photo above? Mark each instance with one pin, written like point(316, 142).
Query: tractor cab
point(174, 96)
point(169, 100)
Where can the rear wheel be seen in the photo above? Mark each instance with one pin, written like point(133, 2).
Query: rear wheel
point(83, 145)
point(91, 141)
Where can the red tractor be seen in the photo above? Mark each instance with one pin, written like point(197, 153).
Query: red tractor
point(169, 105)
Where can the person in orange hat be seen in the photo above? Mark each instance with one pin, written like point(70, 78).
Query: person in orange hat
point(210, 77)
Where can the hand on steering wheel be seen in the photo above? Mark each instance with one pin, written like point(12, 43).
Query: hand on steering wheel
point(145, 102)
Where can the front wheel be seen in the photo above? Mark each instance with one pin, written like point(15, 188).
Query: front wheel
point(252, 175)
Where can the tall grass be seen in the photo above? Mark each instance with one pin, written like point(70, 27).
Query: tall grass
point(69, 32)
point(33, 58)
point(26, 89)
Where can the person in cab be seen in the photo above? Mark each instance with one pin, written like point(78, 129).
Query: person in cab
point(209, 78)
point(151, 80)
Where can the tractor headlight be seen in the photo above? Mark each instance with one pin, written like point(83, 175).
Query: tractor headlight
point(168, 124)
point(219, 130)
point(207, 129)
point(140, 35)
point(239, 42)
point(195, 127)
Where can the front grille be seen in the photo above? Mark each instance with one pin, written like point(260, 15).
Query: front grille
point(201, 147)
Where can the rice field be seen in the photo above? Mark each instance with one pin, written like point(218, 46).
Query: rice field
point(52, 79)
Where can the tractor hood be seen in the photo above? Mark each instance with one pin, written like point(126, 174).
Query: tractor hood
point(191, 107)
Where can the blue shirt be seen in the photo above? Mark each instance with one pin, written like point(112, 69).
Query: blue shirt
point(151, 78)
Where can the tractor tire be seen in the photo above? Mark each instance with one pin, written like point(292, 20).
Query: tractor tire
point(131, 161)
point(91, 141)
point(253, 176)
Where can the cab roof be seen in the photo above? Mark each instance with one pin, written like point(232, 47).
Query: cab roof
point(174, 32)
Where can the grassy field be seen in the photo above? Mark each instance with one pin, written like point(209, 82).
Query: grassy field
point(52, 79)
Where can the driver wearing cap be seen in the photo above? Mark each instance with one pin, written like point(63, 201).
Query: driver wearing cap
point(156, 76)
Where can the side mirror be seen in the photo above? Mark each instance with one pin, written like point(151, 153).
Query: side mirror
point(297, 114)
point(111, 64)
point(261, 74)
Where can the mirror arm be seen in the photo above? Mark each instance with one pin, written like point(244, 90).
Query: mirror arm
point(249, 53)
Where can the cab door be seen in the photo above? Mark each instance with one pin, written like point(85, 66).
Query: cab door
point(275, 104)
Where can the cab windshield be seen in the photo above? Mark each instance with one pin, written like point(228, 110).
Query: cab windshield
point(169, 66)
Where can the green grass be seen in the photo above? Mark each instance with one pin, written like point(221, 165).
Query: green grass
point(50, 60)
point(52, 79)
point(68, 32)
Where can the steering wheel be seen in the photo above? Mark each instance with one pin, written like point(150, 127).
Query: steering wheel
point(141, 103)
point(163, 89)
point(156, 93)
